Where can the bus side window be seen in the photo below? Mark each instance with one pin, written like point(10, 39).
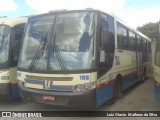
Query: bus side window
point(149, 47)
point(103, 33)
point(18, 33)
point(122, 36)
point(111, 40)
point(144, 45)
point(139, 43)
point(132, 41)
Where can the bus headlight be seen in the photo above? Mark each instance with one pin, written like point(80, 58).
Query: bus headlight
point(84, 87)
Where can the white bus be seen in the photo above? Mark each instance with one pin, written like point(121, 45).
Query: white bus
point(157, 68)
point(11, 31)
point(80, 58)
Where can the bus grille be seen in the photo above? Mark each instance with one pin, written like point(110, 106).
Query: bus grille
point(50, 78)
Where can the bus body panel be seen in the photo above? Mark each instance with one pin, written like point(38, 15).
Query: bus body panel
point(125, 64)
point(63, 94)
point(69, 99)
point(58, 82)
point(128, 65)
point(13, 80)
point(157, 91)
point(8, 83)
point(156, 65)
point(157, 83)
point(11, 34)
point(104, 92)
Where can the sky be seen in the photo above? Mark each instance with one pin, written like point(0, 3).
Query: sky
point(133, 12)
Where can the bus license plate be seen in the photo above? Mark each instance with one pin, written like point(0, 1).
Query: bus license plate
point(49, 98)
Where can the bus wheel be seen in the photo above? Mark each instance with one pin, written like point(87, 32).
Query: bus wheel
point(143, 75)
point(117, 91)
point(120, 94)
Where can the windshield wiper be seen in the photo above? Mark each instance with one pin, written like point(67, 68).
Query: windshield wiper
point(38, 54)
point(58, 55)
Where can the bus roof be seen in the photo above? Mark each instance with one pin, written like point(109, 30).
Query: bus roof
point(94, 10)
point(13, 21)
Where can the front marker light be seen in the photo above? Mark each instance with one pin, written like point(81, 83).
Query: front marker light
point(77, 88)
point(21, 83)
point(84, 87)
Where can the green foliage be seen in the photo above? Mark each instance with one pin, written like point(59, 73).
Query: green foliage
point(150, 30)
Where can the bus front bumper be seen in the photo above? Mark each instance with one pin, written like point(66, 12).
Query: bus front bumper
point(67, 99)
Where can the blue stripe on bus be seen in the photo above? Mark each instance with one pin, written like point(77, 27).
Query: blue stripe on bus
point(104, 94)
point(157, 92)
point(129, 80)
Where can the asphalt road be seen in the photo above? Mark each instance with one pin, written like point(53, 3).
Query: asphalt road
point(140, 97)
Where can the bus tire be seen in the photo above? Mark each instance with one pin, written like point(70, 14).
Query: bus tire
point(120, 94)
point(143, 75)
point(117, 90)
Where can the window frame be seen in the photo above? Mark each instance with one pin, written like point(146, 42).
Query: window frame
point(131, 37)
point(13, 46)
point(120, 39)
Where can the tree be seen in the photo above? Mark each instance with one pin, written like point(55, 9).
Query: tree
point(150, 30)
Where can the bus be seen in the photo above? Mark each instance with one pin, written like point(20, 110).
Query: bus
point(11, 31)
point(157, 68)
point(80, 58)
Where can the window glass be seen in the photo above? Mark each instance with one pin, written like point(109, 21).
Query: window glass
point(18, 33)
point(122, 36)
point(149, 46)
point(4, 43)
point(59, 42)
point(106, 43)
point(132, 41)
point(144, 45)
point(111, 34)
point(107, 36)
point(138, 43)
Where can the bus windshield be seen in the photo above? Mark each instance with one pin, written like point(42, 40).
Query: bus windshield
point(59, 42)
point(4, 43)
